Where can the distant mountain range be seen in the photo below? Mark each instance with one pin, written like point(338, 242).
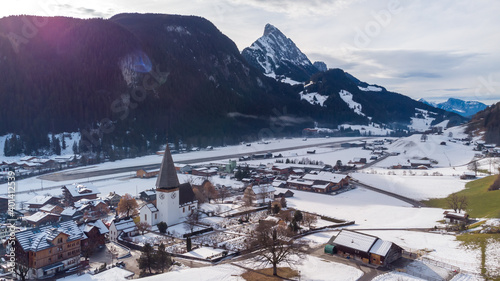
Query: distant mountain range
point(458, 106)
point(129, 82)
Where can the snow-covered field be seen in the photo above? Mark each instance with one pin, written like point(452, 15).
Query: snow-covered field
point(416, 187)
point(367, 208)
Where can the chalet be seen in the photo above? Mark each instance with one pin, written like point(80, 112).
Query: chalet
point(148, 195)
point(260, 194)
point(37, 202)
point(358, 160)
point(204, 172)
point(75, 192)
point(468, 176)
point(322, 182)
point(149, 214)
point(144, 174)
point(279, 184)
point(281, 169)
point(183, 168)
point(415, 163)
point(122, 228)
point(456, 218)
point(363, 247)
point(41, 218)
point(54, 209)
point(71, 213)
point(285, 194)
point(112, 199)
point(95, 232)
point(49, 249)
point(92, 209)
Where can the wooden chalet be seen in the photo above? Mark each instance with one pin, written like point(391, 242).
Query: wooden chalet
point(95, 231)
point(37, 202)
point(144, 174)
point(75, 192)
point(148, 195)
point(49, 249)
point(54, 209)
point(456, 218)
point(363, 247)
point(42, 218)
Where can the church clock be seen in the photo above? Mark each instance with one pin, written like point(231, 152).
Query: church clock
point(162, 196)
point(173, 195)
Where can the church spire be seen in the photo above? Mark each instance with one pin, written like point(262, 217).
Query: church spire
point(167, 178)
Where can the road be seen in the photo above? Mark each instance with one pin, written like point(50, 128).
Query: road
point(413, 202)
point(75, 175)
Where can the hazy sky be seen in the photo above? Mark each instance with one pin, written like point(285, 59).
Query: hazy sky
point(429, 49)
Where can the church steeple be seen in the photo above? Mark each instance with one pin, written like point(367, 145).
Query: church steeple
point(167, 178)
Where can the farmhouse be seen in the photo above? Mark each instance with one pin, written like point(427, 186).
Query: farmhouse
point(468, 176)
point(49, 249)
point(456, 218)
point(41, 218)
point(49, 208)
point(143, 174)
point(95, 232)
point(125, 227)
point(148, 195)
point(113, 199)
point(75, 192)
point(260, 194)
point(363, 247)
point(418, 163)
point(204, 172)
point(286, 194)
point(322, 182)
point(37, 202)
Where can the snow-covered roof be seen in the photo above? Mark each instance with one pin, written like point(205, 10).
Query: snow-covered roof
point(47, 208)
point(324, 176)
point(151, 207)
point(77, 190)
point(355, 240)
point(259, 189)
point(278, 183)
point(124, 224)
point(40, 238)
point(301, 181)
point(98, 223)
point(321, 186)
point(36, 217)
point(381, 247)
point(39, 200)
point(149, 192)
point(69, 211)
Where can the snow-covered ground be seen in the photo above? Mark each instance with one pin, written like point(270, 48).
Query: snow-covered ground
point(493, 257)
point(415, 187)
point(309, 267)
point(115, 274)
point(367, 208)
point(371, 129)
point(370, 88)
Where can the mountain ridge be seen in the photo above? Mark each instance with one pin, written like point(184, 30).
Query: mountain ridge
point(461, 107)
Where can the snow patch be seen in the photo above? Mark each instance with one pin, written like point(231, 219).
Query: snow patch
point(370, 88)
point(347, 98)
point(313, 98)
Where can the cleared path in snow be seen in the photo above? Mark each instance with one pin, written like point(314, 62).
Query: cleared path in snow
point(413, 202)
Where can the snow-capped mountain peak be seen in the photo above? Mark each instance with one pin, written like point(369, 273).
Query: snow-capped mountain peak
point(464, 108)
point(277, 55)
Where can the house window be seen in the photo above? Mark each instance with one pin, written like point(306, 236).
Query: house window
point(183, 209)
point(156, 216)
point(145, 217)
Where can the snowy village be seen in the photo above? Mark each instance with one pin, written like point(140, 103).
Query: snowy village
point(363, 207)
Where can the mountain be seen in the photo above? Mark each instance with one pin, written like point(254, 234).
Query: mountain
point(321, 66)
point(356, 102)
point(276, 55)
point(461, 107)
point(486, 122)
point(129, 82)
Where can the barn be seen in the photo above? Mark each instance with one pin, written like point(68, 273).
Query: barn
point(363, 247)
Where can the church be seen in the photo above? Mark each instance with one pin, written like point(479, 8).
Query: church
point(174, 201)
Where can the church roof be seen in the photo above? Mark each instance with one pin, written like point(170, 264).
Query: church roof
point(167, 178)
point(186, 194)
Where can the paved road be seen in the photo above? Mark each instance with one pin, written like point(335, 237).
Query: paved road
point(75, 175)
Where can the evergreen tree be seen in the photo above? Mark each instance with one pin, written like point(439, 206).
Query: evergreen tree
point(75, 148)
point(64, 146)
point(162, 258)
point(147, 259)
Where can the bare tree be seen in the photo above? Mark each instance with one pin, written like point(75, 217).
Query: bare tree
point(143, 227)
point(192, 220)
point(309, 219)
point(474, 166)
point(127, 205)
point(223, 194)
point(20, 266)
point(276, 245)
point(210, 190)
point(457, 202)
